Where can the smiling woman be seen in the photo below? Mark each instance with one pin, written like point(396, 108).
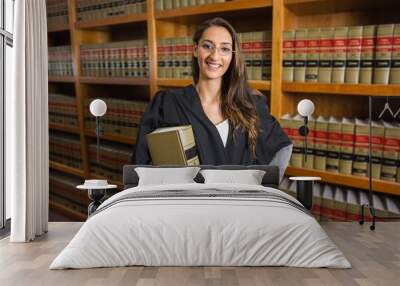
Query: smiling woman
point(230, 121)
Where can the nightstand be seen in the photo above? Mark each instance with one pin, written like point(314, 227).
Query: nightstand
point(96, 192)
point(304, 190)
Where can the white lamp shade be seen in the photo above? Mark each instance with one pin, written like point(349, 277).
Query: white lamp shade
point(98, 107)
point(305, 107)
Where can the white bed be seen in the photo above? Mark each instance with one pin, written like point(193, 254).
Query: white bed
point(185, 230)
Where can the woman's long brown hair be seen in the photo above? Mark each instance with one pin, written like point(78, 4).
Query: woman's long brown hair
point(236, 102)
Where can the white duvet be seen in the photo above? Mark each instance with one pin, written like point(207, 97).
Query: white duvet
point(200, 231)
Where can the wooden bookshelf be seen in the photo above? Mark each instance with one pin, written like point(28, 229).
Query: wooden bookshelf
point(55, 78)
point(342, 89)
point(114, 80)
point(63, 127)
point(112, 137)
point(339, 100)
point(207, 9)
point(347, 180)
point(110, 21)
point(66, 169)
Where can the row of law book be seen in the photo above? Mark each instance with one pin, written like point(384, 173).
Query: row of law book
point(257, 52)
point(65, 149)
point(62, 109)
point(356, 54)
point(57, 13)
point(175, 55)
point(62, 190)
point(122, 117)
point(175, 4)
point(88, 10)
point(112, 157)
point(336, 203)
point(342, 146)
point(60, 61)
point(115, 59)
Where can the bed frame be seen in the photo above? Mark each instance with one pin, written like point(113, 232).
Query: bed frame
point(270, 179)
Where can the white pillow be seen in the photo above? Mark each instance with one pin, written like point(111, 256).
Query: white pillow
point(248, 177)
point(163, 176)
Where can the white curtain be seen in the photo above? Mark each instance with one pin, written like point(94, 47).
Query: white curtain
point(27, 124)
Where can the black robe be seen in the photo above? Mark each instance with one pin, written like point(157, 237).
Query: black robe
point(183, 107)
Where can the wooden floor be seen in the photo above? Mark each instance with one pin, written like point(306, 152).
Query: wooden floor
point(375, 257)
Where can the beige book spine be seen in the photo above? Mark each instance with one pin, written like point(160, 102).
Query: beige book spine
point(383, 53)
point(313, 46)
point(367, 54)
point(256, 52)
point(298, 143)
point(391, 149)
point(377, 139)
point(361, 149)
point(288, 55)
point(395, 62)
point(333, 147)
point(321, 140)
point(353, 55)
point(300, 55)
point(339, 54)
point(346, 148)
point(325, 56)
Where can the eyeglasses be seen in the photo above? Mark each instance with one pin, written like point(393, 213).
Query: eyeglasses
point(210, 48)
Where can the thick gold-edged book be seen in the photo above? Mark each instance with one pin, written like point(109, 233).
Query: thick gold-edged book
point(173, 146)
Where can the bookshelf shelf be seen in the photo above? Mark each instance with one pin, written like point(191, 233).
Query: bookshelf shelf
point(213, 8)
point(56, 78)
point(63, 127)
point(256, 84)
point(112, 137)
point(386, 187)
point(114, 80)
point(342, 89)
point(66, 169)
point(126, 19)
point(59, 28)
point(329, 6)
